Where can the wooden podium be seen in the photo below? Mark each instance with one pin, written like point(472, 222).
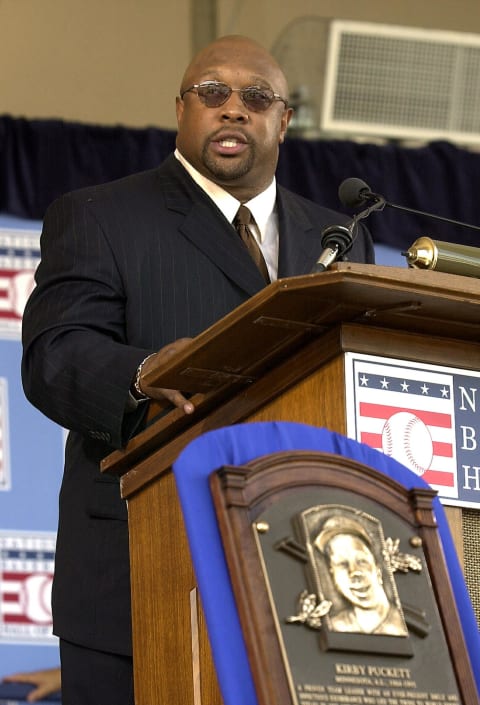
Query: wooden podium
point(279, 356)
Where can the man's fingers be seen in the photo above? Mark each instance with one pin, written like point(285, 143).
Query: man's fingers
point(175, 397)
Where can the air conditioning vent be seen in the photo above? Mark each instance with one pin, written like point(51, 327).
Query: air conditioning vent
point(400, 82)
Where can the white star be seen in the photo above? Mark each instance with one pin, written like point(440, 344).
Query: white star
point(445, 392)
point(364, 381)
point(384, 383)
point(405, 386)
point(424, 389)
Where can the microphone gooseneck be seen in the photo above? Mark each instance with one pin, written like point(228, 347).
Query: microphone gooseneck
point(353, 192)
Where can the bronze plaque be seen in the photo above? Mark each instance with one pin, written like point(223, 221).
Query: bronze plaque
point(341, 585)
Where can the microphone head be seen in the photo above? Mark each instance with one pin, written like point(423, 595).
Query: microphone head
point(339, 236)
point(353, 192)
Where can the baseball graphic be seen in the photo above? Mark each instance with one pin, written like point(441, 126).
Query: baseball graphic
point(407, 439)
point(22, 286)
point(36, 596)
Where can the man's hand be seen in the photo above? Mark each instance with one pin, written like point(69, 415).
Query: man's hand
point(174, 396)
point(46, 681)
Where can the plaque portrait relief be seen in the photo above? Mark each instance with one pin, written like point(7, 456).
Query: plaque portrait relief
point(351, 571)
point(358, 578)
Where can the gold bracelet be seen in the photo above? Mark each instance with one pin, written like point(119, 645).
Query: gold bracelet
point(136, 383)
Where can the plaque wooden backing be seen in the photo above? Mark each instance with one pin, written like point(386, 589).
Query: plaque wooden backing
point(279, 356)
point(242, 495)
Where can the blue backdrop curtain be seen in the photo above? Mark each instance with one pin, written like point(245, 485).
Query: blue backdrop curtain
point(41, 159)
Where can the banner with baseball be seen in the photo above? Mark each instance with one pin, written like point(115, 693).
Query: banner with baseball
point(424, 416)
point(31, 462)
point(26, 573)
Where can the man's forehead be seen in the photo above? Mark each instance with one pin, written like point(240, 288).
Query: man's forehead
point(227, 58)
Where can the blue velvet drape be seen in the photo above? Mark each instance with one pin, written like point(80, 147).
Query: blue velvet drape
point(41, 159)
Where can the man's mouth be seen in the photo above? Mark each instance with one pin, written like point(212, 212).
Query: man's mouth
point(229, 145)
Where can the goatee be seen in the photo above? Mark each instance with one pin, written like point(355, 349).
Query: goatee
point(227, 168)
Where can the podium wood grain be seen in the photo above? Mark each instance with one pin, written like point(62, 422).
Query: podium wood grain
point(279, 356)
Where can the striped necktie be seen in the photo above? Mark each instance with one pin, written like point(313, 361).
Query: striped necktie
point(242, 221)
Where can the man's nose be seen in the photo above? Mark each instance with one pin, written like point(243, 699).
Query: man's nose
point(235, 109)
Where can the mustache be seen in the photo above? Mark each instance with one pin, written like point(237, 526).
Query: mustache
point(229, 133)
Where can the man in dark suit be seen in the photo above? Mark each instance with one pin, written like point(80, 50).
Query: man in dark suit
point(130, 271)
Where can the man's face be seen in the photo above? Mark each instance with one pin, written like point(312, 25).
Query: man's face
point(354, 571)
point(232, 145)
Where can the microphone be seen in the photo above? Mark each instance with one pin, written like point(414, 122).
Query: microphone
point(354, 192)
point(338, 239)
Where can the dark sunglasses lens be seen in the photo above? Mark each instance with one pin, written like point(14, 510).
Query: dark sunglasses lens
point(214, 95)
point(257, 99)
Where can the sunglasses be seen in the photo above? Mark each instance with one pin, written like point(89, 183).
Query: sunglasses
point(213, 94)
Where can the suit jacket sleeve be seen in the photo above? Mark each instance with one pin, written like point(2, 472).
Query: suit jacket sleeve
point(77, 367)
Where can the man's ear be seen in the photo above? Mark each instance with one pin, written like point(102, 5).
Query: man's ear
point(286, 117)
point(179, 108)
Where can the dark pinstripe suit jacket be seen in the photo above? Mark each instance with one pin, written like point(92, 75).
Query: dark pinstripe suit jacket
point(128, 267)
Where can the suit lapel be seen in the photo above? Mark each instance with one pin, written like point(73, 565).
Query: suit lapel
point(300, 238)
point(207, 228)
